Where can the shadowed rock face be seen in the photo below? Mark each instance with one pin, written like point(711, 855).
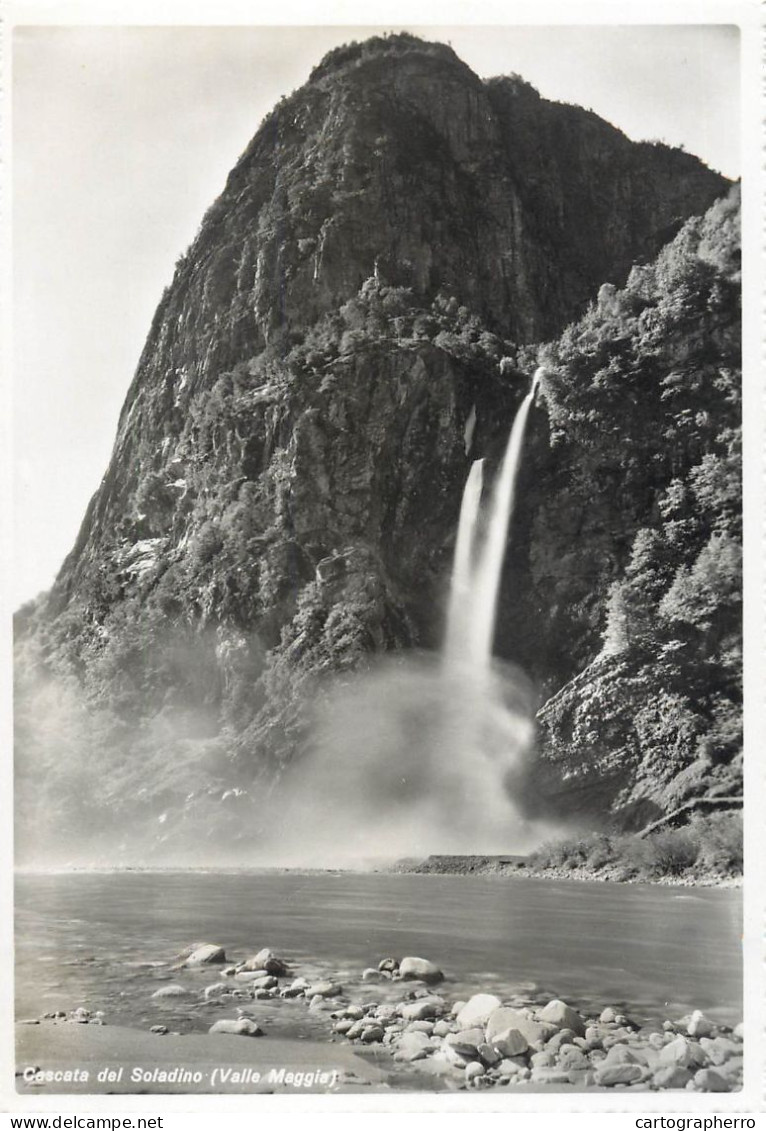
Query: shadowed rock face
point(283, 493)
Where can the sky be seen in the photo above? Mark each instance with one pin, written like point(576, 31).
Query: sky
point(122, 138)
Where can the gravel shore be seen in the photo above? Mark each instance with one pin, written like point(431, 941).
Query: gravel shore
point(394, 1024)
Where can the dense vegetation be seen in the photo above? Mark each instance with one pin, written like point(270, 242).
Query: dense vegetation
point(643, 399)
point(705, 848)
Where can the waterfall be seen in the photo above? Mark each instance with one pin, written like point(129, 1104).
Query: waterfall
point(479, 554)
point(424, 752)
point(457, 623)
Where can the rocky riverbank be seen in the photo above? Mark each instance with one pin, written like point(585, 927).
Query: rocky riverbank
point(400, 1017)
point(527, 867)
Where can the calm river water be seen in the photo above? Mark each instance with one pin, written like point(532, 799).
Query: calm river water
point(101, 939)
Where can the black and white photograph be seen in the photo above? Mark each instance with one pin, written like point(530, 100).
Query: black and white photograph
point(377, 561)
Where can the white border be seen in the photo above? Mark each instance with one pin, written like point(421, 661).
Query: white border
point(749, 15)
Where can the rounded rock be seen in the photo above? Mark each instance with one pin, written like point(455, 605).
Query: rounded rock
point(477, 1011)
point(205, 954)
point(172, 990)
point(323, 989)
point(607, 1075)
point(671, 1076)
point(708, 1080)
point(240, 1026)
point(699, 1025)
point(561, 1015)
point(412, 968)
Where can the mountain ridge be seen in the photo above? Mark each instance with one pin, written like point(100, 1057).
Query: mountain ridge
point(282, 498)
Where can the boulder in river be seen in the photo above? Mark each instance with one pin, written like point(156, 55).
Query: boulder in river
point(203, 954)
point(267, 961)
point(172, 990)
point(420, 969)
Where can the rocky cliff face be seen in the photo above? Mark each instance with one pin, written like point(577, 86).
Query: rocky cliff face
point(283, 493)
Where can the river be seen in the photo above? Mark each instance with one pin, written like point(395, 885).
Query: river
point(103, 939)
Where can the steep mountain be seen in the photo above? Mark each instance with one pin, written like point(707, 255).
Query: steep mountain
point(353, 325)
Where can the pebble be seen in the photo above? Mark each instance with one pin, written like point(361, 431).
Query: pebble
point(708, 1080)
point(671, 1076)
point(502, 1020)
point(477, 1011)
point(423, 1009)
point(549, 1076)
point(323, 989)
point(239, 1026)
point(173, 990)
point(561, 1015)
point(572, 1059)
point(621, 1054)
point(678, 1051)
point(511, 1043)
point(386, 1012)
point(474, 1069)
point(719, 1049)
point(489, 1055)
point(607, 1075)
point(413, 1046)
point(373, 1033)
point(699, 1025)
point(466, 1042)
point(563, 1037)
